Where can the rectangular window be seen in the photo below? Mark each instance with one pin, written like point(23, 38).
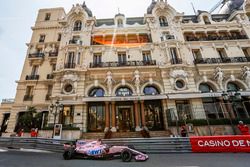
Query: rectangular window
point(146, 56)
point(59, 37)
point(71, 58)
point(222, 53)
point(47, 16)
point(29, 90)
point(97, 59)
point(197, 54)
point(53, 67)
point(122, 58)
point(78, 58)
point(34, 70)
point(184, 110)
point(50, 87)
point(42, 38)
point(246, 52)
point(174, 56)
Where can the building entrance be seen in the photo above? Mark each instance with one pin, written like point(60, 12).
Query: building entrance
point(124, 118)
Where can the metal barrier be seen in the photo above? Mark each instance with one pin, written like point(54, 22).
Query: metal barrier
point(152, 145)
point(33, 143)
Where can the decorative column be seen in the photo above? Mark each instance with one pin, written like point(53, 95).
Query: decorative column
point(107, 121)
point(164, 108)
point(85, 117)
point(143, 122)
point(137, 127)
point(113, 129)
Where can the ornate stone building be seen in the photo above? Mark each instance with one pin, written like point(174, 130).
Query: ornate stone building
point(126, 74)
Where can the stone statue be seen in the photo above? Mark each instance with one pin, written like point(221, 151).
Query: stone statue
point(137, 81)
point(109, 81)
point(219, 76)
point(246, 75)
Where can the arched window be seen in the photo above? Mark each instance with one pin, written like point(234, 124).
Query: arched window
point(205, 88)
point(96, 92)
point(150, 90)
point(163, 21)
point(119, 23)
point(232, 87)
point(123, 91)
point(78, 25)
point(206, 20)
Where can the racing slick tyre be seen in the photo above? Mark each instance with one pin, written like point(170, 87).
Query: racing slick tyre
point(68, 154)
point(126, 155)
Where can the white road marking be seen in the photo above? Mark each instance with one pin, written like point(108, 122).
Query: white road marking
point(34, 150)
point(1, 150)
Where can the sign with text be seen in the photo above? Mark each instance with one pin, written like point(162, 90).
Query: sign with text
point(57, 131)
point(220, 143)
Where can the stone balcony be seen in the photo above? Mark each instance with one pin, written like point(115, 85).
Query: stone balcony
point(122, 64)
point(222, 60)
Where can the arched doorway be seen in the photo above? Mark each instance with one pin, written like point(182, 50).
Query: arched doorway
point(153, 110)
point(211, 105)
point(239, 104)
point(96, 111)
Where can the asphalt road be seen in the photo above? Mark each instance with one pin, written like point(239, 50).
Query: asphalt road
point(15, 158)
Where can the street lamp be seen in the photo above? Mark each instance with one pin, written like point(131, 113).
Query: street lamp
point(53, 108)
point(232, 96)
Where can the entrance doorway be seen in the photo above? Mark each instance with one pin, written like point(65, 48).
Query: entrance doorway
point(124, 118)
point(5, 122)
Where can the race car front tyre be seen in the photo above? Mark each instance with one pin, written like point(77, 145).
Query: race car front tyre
point(126, 155)
point(68, 154)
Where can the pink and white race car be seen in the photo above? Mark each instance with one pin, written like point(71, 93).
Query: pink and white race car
point(97, 150)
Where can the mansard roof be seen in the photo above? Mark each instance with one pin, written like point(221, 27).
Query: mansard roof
point(129, 21)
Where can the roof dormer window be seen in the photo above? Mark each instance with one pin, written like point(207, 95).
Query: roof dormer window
point(163, 21)
point(119, 23)
point(78, 25)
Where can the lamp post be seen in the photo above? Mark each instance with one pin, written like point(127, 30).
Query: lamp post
point(231, 96)
point(53, 108)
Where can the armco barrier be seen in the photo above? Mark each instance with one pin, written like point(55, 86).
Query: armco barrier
point(33, 143)
point(151, 145)
point(239, 143)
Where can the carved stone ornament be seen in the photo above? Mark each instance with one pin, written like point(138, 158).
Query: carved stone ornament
point(179, 74)
point(69, 81)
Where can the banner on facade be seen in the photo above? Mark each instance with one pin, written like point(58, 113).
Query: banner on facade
point(57, 131)
point(220, 143)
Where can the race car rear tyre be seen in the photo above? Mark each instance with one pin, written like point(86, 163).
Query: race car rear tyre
point(126, 155)
point(68, 154)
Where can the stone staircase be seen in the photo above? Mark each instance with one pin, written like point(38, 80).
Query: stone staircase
point(94, 135)
point(100, 135)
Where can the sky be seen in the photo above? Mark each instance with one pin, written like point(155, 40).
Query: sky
point(17, 17)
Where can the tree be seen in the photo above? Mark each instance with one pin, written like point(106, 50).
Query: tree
point(29, 119)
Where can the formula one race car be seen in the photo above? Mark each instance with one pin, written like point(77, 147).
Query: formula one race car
point(98, 150)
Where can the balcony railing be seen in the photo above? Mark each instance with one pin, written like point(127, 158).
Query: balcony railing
point(69, 65)
point(220, 60)
point(50, 76)
point(163, 24)
point(53, 54)
point(73, 41)
point(176, 61)
point(48, 97)
point(77, 28)
point(8, 100)
point(28, 98)
point(214, 38)
point(36, 55)
point(32, 77)
point(123, 64)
